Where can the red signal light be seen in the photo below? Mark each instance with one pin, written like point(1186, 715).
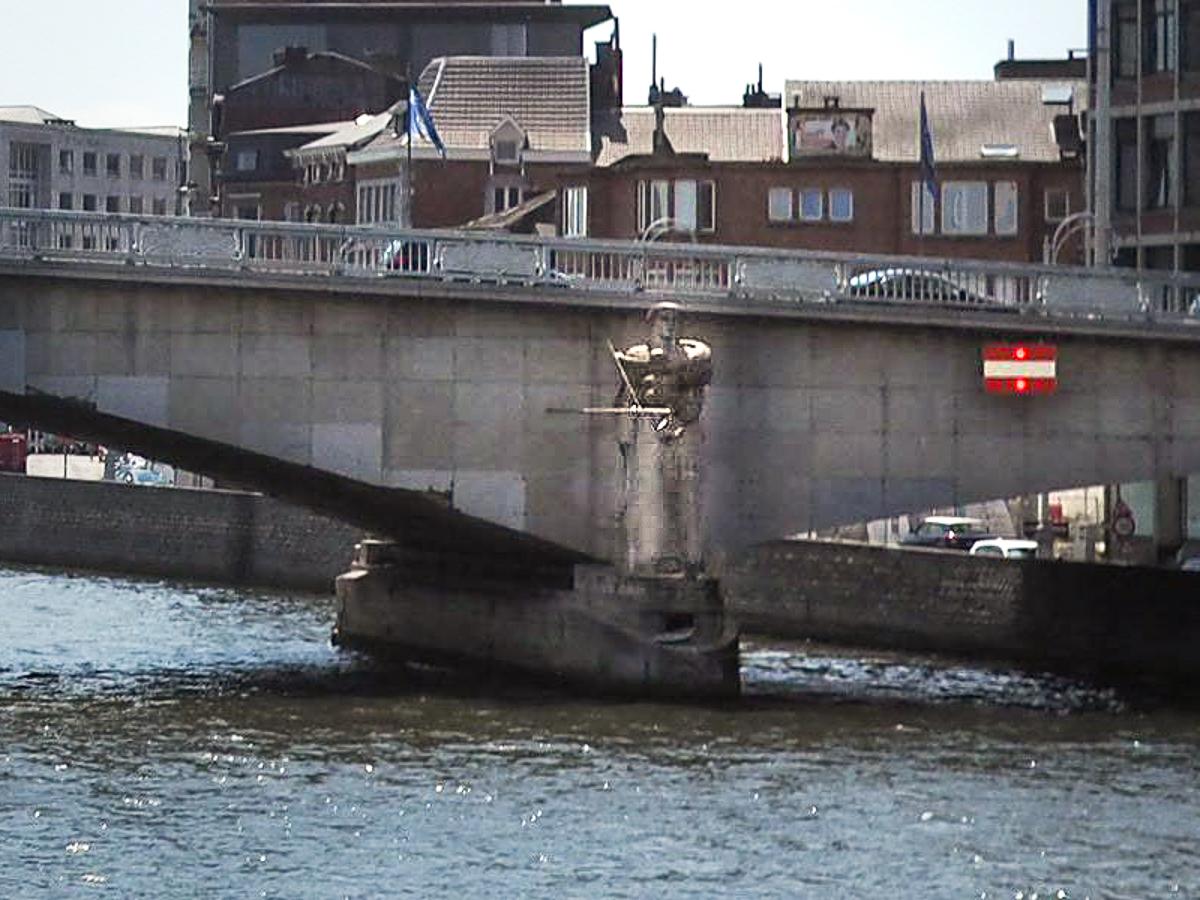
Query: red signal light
point(1021, 353)
point(1022, 386)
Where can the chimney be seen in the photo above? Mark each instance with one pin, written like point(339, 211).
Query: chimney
point(1012, 50)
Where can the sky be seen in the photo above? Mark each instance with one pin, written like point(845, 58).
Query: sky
point(124, 63)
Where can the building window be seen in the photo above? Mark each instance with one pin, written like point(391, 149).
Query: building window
point(89, 202)
point(1161, 38)
point(575, 212)
point(66, 201)
point(812, 205)
point(1125, 24)
point(248, 211)
point(1160, 161)
point(112, 165)
point(841, 205)
point(654, 203)
point(159, 168)
point(1189, 36)
point(1058, 204)
point(89, 163)
point(1127, 165)
point(137, 166)
point(1006, 217)
point(159, 206)
point(507, 152)
point(505, 198)
point(136, 205)
point(1191, 159)
point(685, 205)
point(376, 202)
point(247, 160)
point(965, 208)
point(924, 212)
point(112, 204)
point(66, 162)
point(780, 205)
point(22, 175)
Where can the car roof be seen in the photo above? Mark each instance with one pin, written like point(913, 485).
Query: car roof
point(951, 520)
point(1007, 544)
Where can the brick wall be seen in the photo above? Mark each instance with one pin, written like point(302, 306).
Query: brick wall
point(220, 536)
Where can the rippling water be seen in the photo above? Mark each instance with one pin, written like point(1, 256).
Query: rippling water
point(159, 740)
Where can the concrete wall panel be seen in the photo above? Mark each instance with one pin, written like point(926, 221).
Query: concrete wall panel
point(275, 356)
point(420, 359)
point(348, 357)
point(13, 375)
point(496, 496)
point(141, 399)
point(202, 406)
point(347, 402)
point(352, 450)
point(204, 355)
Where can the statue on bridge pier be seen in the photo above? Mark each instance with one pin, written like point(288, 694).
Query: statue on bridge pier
point(662, 393)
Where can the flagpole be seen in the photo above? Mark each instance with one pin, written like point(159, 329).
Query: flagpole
point(921, 183)
point(408, 182)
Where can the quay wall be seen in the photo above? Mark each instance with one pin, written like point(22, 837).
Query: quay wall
point(1099, 618)
point(1123, 620)
point(206, 535)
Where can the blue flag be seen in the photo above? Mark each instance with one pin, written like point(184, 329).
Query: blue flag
point(928, 170)
point(420, 122)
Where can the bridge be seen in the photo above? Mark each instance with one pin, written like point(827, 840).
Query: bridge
point(427, 384)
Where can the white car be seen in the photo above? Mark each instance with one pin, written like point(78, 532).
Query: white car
point(1006, 548)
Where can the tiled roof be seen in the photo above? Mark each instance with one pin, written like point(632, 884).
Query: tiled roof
point(469, 96)
point(963, 115)
point(725, 134)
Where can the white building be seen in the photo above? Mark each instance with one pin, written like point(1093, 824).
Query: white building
point(50, 163)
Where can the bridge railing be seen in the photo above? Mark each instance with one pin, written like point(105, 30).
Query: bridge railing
point(693, 273)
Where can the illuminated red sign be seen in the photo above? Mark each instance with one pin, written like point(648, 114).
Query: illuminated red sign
point(1020, 369)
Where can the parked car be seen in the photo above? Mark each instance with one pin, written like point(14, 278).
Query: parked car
point(1191, 564)
point(948, 533)
point(1006, 548)
point(133, 469)
point(910, 284)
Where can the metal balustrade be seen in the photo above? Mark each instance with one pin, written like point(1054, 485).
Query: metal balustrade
point(691, 273)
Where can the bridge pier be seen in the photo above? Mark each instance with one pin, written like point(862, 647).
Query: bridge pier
point(652, 624)
point(609, 632)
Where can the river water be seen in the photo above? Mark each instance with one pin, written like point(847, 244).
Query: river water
point(166, 740)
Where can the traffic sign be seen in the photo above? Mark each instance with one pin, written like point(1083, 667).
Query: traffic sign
point(1020, 369)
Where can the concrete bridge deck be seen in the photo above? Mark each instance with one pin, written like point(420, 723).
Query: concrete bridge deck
point(444, 361)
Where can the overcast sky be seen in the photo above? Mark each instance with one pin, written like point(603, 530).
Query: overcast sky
point(125, 62)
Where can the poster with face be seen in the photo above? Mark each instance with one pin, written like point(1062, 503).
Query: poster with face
point(831, 132)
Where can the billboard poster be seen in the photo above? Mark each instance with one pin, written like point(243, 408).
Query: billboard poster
point(830, 132)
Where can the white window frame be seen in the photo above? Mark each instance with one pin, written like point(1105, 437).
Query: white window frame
point(1065, 194)
point(1007, 198)
point(806, 194)
point(575, 211)
point(781, 205)
point(849, 195)
point(930, 223)
point(957, 199)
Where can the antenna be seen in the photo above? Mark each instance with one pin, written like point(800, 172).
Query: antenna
point(654, 61)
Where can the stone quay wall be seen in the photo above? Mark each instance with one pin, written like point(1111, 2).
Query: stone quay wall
point(1099, 618)
point(204, 535)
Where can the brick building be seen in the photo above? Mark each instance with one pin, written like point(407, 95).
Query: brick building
point(232, 41)
point(838, 170)
point(513, 128)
